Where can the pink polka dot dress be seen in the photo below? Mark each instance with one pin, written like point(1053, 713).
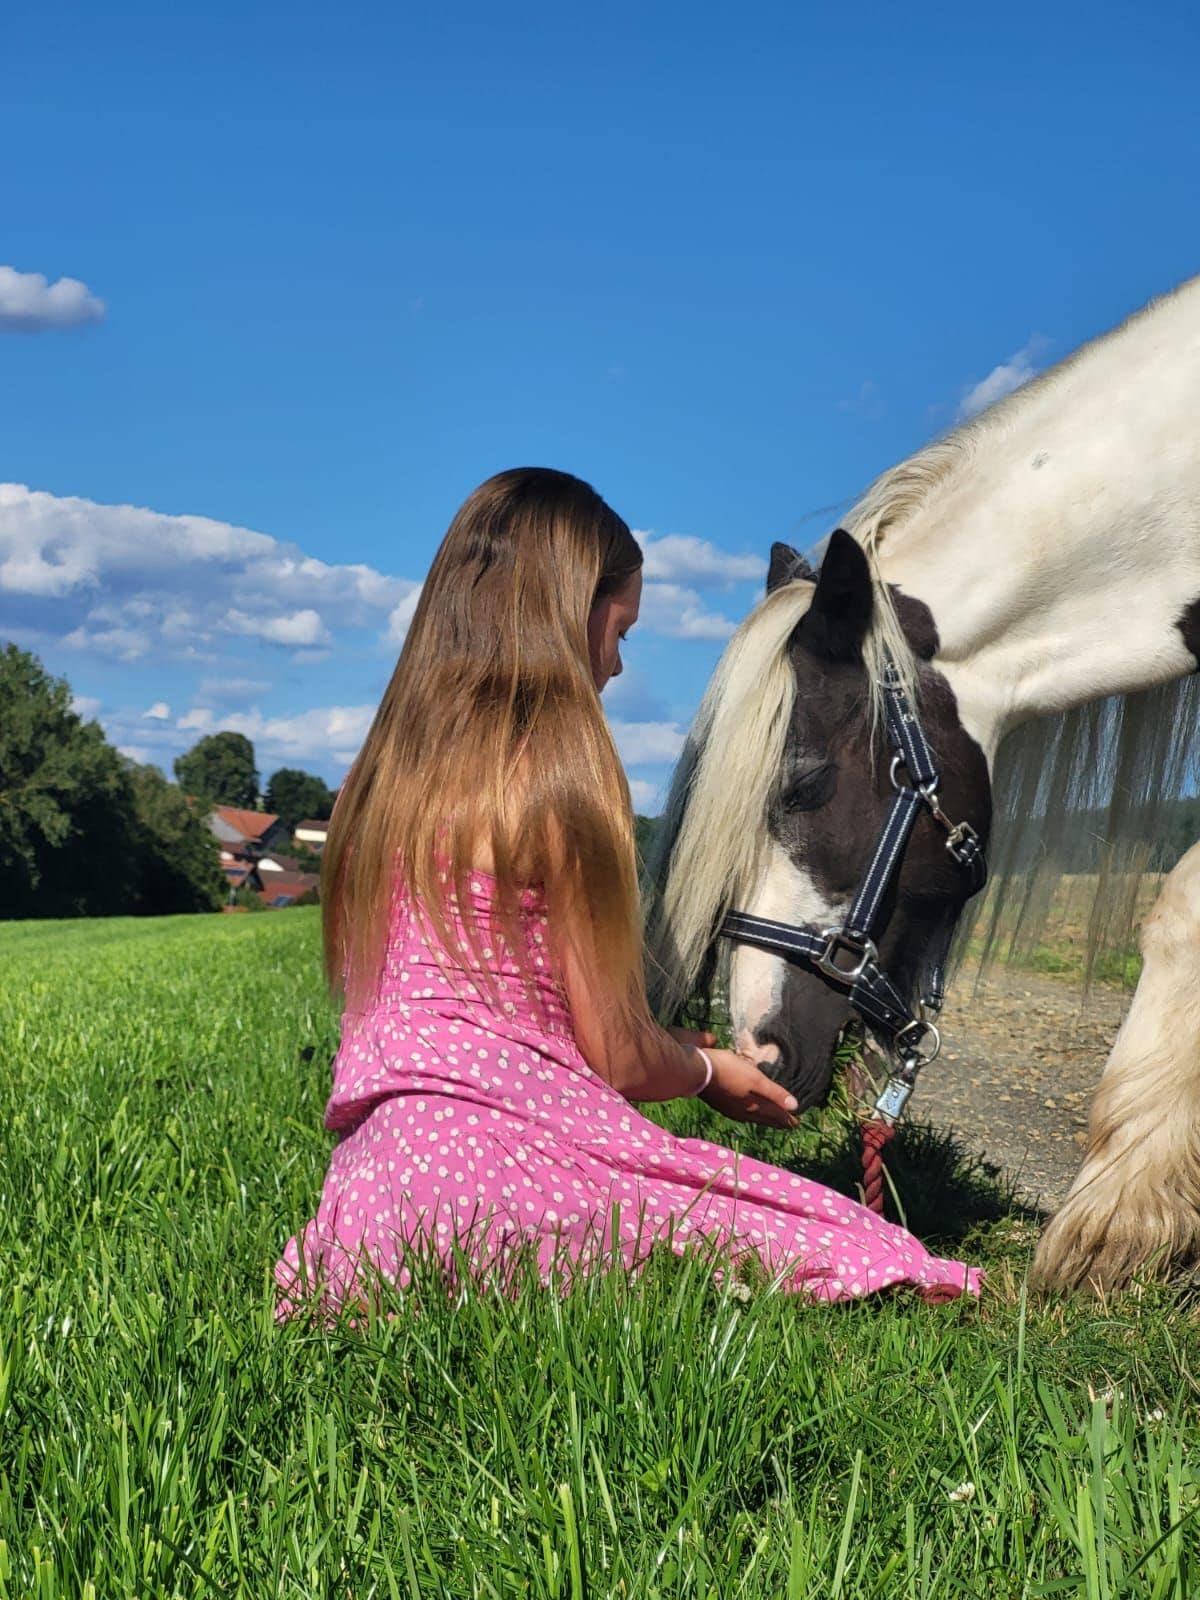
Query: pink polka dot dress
point(469, 1122)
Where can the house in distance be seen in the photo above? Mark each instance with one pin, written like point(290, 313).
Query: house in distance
point(311, 833)
point(253, 846)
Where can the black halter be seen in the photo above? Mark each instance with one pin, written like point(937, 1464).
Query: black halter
point(847, 955)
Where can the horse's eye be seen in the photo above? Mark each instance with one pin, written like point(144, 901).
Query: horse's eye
point(808, 791)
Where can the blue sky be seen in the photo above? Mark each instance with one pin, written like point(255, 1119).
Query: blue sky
point(333, 268)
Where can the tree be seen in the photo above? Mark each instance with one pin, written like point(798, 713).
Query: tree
point(177, 855)
point(645, 833)
point(220, 770)
point(66, 811)
point(295, 795)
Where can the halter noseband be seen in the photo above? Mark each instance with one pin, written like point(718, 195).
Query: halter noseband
point(848, 955)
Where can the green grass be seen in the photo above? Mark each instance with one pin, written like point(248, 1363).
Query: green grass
point(1064, 955)
point(161, 1091)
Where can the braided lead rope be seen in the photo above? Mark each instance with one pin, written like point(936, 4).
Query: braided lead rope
point(876, 1133)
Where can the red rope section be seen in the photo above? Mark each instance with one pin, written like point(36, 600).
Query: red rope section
point(875, 1135)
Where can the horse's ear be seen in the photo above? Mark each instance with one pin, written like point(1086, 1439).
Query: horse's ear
point(836, 623)
point(786, 565)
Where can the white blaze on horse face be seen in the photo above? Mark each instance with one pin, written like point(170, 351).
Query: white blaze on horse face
point(784, 893)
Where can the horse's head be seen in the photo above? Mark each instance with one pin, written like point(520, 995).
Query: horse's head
point(825, 811)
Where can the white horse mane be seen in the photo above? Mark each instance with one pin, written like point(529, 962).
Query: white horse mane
point(715, 826)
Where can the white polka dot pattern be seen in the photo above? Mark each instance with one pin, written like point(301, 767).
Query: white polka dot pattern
point(469, 1121)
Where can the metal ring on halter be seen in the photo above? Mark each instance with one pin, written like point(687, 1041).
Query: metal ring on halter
point(836, 939)
point(918, 1042)
point(927, 791)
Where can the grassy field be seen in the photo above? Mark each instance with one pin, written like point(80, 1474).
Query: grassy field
point(162, 1089)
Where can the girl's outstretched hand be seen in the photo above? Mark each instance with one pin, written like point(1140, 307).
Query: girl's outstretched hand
point(742, 1091)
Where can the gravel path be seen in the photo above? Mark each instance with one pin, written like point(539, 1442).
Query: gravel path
point(1021, 1057)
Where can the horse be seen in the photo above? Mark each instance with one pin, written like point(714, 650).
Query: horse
point(1024, 593)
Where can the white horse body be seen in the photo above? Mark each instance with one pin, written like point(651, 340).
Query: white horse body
point(1062, 545)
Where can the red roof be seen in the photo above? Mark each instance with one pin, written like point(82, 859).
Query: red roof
point(290, 885)
point(250, 824)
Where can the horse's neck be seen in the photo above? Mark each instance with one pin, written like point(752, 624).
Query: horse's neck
point(1060, 557)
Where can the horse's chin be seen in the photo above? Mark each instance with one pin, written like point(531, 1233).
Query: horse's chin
point(795, 1046)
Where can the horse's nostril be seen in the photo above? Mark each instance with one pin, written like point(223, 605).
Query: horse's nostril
point(764, 1051)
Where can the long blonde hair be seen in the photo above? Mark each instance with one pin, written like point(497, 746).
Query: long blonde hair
point(490, 737)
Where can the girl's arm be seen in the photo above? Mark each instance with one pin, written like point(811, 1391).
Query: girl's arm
point(647, 1063)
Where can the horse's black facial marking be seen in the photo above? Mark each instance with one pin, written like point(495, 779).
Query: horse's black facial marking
point(809, 788)
point(917, 621)
point(1189, 627)
point(836, 623)
point(833, 796)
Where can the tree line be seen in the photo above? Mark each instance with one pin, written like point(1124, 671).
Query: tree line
point(85, 831)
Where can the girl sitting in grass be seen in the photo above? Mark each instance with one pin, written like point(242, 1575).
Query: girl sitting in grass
point(481, 919)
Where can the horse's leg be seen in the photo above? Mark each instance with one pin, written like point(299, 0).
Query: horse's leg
point(1135, 1206)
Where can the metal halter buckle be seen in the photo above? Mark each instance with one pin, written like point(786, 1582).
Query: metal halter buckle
point(963, 843)
point(837, 939)
point(918, 1042)
point(894, 1098)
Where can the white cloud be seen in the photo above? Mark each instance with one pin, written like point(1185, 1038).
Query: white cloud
point(300, 628)
point(85, 706)
point(75, 567)
point(231, 691)
point(135, 752)
point(122, 644)
point(31, 304)
point(1022, 365)
point(681, 558)
point(645, 796)
point(678, 612)
point(158, 712)
point(311, 737)
point(642, 743)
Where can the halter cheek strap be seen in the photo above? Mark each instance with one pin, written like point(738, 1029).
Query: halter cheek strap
point(848, 955)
